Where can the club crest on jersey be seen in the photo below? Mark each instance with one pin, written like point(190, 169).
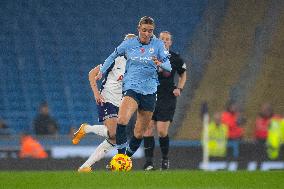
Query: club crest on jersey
point(151, 50)
point(142, 50)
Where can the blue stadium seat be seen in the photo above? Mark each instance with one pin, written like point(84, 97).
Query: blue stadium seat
point(47, 55)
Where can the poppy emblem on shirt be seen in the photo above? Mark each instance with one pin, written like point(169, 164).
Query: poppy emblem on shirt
point(142, 50)
point(151, 50)
point(120, 78)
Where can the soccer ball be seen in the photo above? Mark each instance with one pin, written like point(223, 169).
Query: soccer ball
point(120, 162)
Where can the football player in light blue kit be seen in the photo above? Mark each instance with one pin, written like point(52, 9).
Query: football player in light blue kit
point(145, 55)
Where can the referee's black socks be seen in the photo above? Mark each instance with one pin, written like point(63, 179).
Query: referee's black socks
point(164, 145)
point(149, 146)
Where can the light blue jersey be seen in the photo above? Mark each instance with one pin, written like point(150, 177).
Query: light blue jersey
point(141, 72)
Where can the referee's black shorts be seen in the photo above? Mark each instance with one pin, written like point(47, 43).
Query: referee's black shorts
point(165, 108)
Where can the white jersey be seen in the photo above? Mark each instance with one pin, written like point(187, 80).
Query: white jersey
point(111, 88)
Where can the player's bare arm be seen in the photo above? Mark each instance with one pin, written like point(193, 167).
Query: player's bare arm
point(93, 83)
point(99, 76)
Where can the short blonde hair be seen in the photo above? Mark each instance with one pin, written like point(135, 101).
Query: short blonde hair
point(146, 20)
point(167, 32)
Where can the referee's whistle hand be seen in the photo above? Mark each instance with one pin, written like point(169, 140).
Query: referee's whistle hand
point(176, 92)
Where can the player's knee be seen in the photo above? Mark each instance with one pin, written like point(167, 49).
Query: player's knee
point(162, 133)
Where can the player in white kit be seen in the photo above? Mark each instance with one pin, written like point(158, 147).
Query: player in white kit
point(108, 99)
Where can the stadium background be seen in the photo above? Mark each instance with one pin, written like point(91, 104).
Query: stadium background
point(233, 50)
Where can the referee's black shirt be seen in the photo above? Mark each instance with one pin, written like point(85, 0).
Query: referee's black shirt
point(166, 79)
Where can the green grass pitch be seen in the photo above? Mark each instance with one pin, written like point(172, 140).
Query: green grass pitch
point(140, 179)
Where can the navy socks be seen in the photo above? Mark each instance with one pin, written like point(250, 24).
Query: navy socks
point(134, 144)
point(121, 138)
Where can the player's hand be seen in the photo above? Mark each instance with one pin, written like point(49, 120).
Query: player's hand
point(177, 92)
point(99, 99)
point(160, 69)
point(99, 76)
point(156, 61)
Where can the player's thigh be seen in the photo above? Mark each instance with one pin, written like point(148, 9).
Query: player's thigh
point(126, 109)
point(142, 122)
point(150, 129)
point(163, 128)
point(111, 124)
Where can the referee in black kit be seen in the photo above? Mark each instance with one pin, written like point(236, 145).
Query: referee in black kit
point(165, 108)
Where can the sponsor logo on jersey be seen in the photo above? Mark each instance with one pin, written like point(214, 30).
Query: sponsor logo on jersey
point(143, 59)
